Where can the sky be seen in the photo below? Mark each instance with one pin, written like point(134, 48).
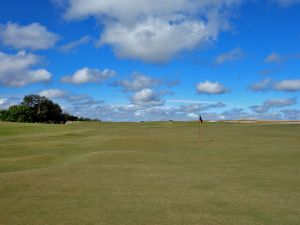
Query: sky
point(134, 60)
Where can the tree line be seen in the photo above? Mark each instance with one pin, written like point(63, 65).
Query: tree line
point(38, 109)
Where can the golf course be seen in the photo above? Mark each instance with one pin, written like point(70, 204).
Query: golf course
point(152, 173)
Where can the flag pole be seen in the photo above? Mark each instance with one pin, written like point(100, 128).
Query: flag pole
point(199, 131)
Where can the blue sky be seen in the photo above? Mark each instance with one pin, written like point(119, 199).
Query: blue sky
point(137, 60)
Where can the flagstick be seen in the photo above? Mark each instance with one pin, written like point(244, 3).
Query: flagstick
point(199, 128)
point(199, 131)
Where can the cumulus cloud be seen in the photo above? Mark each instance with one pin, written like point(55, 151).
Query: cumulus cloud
point(7, 101)
point(288, 85)
point(74, 45)
point(273, 103)
point(137, 83)
point(262, 85)
point(154, 31)
point(268, 84)
point(33, 36)
point(16, 70)
point(208, 87)
point(129, 10)
point(156, 40)
point(145, 90)
point(147, 97)
point(86, 75)
point(2, 101)
point(235, 54)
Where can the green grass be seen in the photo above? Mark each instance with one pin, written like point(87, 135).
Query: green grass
point(149, 173)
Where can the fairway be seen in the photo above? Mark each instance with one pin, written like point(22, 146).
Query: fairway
point(158, 173)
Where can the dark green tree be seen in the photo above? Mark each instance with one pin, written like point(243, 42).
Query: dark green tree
point(37, 109)
point(44, 110)
point(18, 113)
point(69, 117)
point(3, 115)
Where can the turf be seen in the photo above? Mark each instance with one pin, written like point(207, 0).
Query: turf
point(150, 173)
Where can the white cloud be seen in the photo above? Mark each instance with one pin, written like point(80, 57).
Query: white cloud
point(154, 31)
point(7, 101)
point(262, 85)
point(208, 87)
point(74, 45)
point(288, 85)
point(86, 75)
point(273, 103)
point(274, 58)
point(268, 84)
point(130, 10)
point(146, 97)
point(39, 75)
point(52, 93)
point(280, 102)
point(33, 36)
point(156, 40)
point(235, 54)
point(2, 101)
point(16, 70)
point(138, 82)
point(145, 90)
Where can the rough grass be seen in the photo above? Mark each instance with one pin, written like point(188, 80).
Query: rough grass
point(150, 173)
